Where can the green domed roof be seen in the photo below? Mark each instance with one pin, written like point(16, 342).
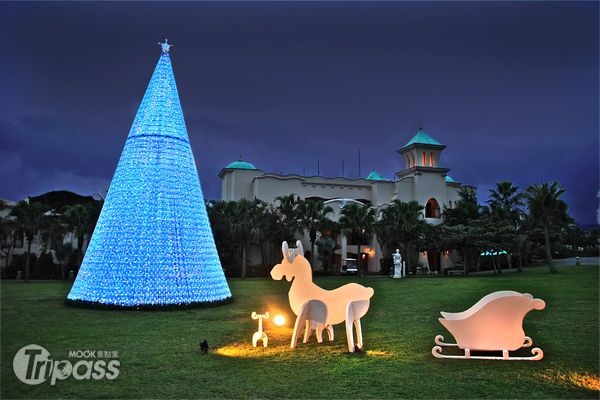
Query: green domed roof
point(239, 164)
point(422, 137)
point(376, 176)
point(449, 179)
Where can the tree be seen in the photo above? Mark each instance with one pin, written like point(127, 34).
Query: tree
point(460, 230)
point(7, 230)
point(219, 215)
point(29, 220)
point(287, 210)
point(401, 224)
point(505, 202)
point(312, 214)
point(77, 219)
point(358, 222)
point(506, 214)
point(244, 226)
point(326, 247)
point(547, 210)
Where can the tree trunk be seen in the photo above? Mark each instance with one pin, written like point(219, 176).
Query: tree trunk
point(358, 260)
point(548, 252)
point(244, 261)
point(312, 255)
point(80, 247)
point(27, 260)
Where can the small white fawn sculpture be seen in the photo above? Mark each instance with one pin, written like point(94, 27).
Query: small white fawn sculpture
point(259, 334)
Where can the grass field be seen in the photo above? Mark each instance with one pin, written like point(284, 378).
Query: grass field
point(159, 358)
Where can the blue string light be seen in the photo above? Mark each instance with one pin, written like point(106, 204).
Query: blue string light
point(153, 245)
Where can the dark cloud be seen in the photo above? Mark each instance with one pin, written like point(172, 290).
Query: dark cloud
point(510, 87)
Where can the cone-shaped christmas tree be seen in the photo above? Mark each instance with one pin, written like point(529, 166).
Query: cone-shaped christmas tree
point(153, 245)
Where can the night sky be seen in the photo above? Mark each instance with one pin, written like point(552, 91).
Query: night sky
point(510, 87)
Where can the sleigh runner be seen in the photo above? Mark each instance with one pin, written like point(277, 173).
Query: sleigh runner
point(494, 323)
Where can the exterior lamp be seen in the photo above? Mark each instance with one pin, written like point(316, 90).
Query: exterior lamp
point(279, 320)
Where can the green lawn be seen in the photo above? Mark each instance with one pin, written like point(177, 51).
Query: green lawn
point(159, 357)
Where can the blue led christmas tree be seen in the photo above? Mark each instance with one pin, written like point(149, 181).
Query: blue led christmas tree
point(153, 245)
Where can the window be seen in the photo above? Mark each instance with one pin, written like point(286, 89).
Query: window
point(423, 159)
point(432, 209)
point(431, 159)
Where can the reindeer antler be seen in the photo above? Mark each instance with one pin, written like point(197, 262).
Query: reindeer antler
point(290, 254)
point(299, 248)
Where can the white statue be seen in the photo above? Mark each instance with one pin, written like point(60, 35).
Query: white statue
point(398, 273)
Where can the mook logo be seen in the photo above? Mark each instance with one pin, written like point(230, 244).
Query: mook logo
point(32, 365)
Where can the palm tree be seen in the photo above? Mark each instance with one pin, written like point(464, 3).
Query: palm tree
point(506, 202)
point(219, 215)
point(505, 209)
point(358, 221)
point(402, 223)
point(29, 220)
point(547, 209)
point(76, 218)
point(7, 231)
point(287, 209)
point(312, 214)
point(244, 226)
point(461, 229)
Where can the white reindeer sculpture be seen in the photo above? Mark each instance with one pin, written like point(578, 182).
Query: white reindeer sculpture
point(318, 308)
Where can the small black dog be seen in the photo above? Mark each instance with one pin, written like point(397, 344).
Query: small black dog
point(203, 346)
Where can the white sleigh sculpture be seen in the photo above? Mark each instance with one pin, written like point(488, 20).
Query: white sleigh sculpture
point(319, 309)
point(494, 323)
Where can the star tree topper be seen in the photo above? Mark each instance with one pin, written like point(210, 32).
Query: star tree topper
point(165, 46)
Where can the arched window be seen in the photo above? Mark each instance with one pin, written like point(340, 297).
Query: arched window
point(423, 159)
point(432, 209)
point(431, 159)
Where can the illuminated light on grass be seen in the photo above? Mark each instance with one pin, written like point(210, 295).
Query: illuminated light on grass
point(582, 380)
point(279, 320)
point(379, 353)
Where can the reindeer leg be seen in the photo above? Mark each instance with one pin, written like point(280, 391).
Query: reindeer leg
point(359, 338)
point(319, 332)
point(299, 319)
point(307, 331)
point(349, 321)
point(350, 335)
point(295, 333)
point(330, 332)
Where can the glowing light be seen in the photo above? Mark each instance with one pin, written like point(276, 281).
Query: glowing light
point(153, 244)
point(279, 320)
